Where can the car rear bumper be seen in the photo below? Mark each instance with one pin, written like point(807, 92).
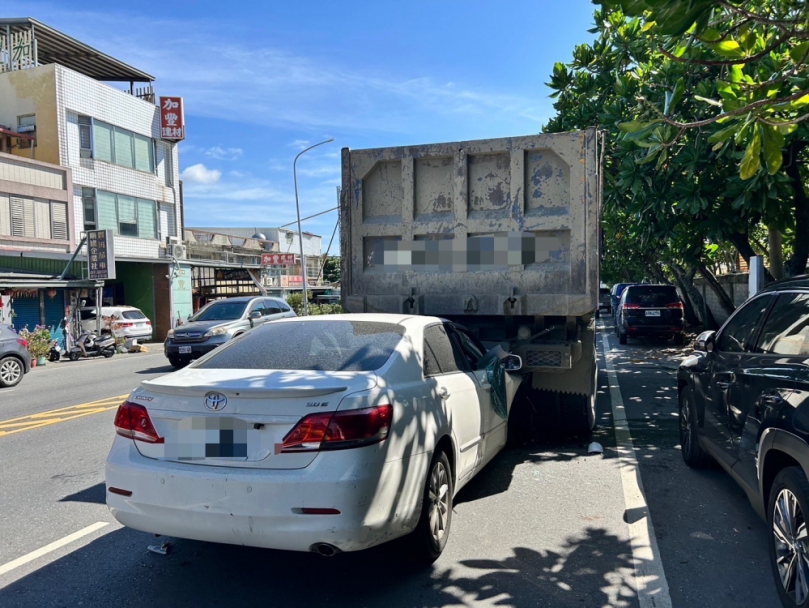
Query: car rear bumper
point(652, 330)
point(261, 507)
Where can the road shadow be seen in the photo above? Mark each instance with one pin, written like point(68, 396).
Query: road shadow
point(161, 369)
point(96, 494)
point(594, 569)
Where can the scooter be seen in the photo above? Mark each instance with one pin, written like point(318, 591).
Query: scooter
point(56, 350)
point(95, 346)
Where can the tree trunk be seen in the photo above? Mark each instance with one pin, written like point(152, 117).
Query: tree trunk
point(724, 299)
point(690, 315)
point(698, 305)
point(776, 253)
point(741, 242)
point(800, 246)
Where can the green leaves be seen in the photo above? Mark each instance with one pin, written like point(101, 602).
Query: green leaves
point(751, 161)
point(674, 97)
point(729, 48)
point(800, 52)
point(773, 144)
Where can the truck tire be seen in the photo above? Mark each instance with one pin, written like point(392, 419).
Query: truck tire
point(578, 414)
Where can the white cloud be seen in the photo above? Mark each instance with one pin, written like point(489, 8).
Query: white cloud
point(300, 144)
point(220, 153)
point(200, 174)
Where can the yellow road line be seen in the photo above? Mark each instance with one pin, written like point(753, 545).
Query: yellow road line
point(63, 414)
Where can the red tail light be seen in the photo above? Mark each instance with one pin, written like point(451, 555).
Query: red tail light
point(677, 305)
point(340, 430)
point(631, 306)
point(119, 324)
point(132, 421)
point(23, 343)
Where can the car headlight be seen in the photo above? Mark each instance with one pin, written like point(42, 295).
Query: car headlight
point(217, 331)
point(170, 333)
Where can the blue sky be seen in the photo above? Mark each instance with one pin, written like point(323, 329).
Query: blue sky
point(261, 80)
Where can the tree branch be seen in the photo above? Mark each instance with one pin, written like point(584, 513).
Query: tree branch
point(779, 23)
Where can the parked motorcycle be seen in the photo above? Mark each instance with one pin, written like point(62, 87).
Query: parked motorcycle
point(56, 350)
point(103, 346)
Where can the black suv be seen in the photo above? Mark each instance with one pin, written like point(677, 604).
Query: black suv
point(650, 310)
point(744, 402)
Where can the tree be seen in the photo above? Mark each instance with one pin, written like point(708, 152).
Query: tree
point(751, 105)
point(331, 269)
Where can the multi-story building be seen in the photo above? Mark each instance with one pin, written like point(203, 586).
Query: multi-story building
point(279, 280)
point(57, 107)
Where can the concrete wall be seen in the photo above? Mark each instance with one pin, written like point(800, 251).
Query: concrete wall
point(736, 286)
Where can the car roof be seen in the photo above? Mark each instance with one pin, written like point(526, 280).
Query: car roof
point(245, 299)
point(650, 285)
point(797, 282)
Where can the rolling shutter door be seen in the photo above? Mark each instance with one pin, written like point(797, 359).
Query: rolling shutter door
point(27, 311)
point(55, 309)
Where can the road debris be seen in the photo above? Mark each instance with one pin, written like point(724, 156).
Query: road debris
point(595, 448)
point(160, 549)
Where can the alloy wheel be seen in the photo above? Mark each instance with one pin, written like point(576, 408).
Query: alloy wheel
point(10, 371)
point(791, 546)
point(685, 426)
point(439, 501)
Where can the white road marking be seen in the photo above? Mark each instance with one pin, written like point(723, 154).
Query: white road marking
point(21, 561)
point(650, 579)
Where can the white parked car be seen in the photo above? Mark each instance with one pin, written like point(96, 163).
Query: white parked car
point(327, 434)
point(125, 321)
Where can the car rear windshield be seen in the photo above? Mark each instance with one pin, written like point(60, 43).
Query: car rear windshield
point(221, 311)
point(333, 346)
point(133, 314)
point(604, 291)
point(652, 296)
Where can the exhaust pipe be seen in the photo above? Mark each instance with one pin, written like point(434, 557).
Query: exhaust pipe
point(325, 549)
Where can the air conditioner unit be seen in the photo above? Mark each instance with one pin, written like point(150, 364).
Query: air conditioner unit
point(172, 240)
point(178, 251)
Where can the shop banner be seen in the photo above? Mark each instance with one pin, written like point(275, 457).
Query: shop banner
point(277, 259)
point(100, 255)
point(291, 280)
point(172, 119)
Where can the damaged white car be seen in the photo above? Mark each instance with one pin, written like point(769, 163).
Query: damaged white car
point(326, 434)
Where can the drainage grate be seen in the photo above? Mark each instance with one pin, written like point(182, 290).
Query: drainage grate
point(544, 358)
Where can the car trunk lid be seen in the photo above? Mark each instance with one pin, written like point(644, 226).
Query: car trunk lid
point(239, 418)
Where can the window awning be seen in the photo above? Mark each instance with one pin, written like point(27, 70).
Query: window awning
point(15, 134)
point(54, 46)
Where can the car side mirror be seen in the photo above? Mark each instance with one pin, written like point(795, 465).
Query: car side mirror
point(705, 342)
point(255, 315)
point(511, 363)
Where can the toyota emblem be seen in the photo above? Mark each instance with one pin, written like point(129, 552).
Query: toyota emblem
point(215, 401)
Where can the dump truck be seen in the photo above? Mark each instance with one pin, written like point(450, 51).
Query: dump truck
point(499, 235)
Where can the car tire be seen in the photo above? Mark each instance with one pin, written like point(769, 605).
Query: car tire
point(432, 531)
point(693, 454)
point(176, 363)
point(11, 371)
point(621, 338)
point(679, 339)
point(787, 511)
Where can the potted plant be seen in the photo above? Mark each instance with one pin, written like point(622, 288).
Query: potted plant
point(39, 343)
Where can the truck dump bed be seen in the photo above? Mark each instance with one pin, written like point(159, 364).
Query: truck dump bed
point(491, 227)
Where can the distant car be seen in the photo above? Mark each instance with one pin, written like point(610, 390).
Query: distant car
point(604, 300)
point(219, 322)
point(123, 321)
point(650, 311)
point(615, 295)
point(744, 402)
point(325, 434)
point(15, 360)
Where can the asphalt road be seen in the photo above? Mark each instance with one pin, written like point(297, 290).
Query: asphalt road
point(544, 524)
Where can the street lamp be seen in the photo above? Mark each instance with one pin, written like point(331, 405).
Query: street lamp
point(300, 231)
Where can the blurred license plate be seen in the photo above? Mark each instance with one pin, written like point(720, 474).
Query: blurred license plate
point(217, 437)
point(652, 313)
point(185, 350)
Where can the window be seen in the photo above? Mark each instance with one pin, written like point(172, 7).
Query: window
point(124, 215)
point(271, 307)
point(27, 124)
point(133, 314)
point(651, 296)
point(284, 307)
point(327, 345)
point(445, 359)
point(86, 136)
point(736, 335)
point(33, 218)
point(472, 349)
point(222, 310)
point(88, 201)
point(258, 307)
point(786, 331)
point(116, 145)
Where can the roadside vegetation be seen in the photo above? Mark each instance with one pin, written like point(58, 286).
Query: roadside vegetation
point(704, 104)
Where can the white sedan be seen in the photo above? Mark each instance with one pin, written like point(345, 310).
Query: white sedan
point(326, 434)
